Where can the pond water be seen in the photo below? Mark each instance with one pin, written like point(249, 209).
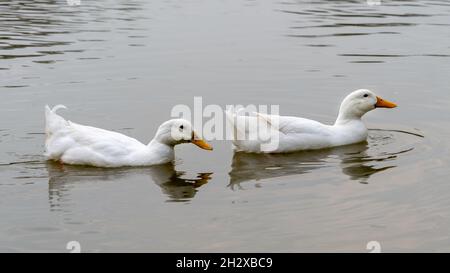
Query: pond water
point(123, 65)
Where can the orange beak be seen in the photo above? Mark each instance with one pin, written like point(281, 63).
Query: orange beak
point(200, 143)
point(381, 103)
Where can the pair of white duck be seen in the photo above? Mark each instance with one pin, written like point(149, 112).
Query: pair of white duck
point(76, 144)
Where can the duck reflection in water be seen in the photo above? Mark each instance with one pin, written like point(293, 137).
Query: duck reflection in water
point(64, 177)
point(354, 160)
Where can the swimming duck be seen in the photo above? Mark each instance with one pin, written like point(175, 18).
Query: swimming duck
point(76, 144)
point(281, 134)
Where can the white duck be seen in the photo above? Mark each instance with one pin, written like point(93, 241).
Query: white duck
point(71, 143)
point(281, 134)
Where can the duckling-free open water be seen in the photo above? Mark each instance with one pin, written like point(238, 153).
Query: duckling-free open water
point(124, 65)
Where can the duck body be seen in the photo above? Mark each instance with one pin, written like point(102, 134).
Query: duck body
point(297, 134)
point(283, 134)
point(76, 144)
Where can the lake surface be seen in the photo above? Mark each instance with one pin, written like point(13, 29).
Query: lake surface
point(123, 65)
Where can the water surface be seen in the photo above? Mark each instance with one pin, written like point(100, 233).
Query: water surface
point(123, 65)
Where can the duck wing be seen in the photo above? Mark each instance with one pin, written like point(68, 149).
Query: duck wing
point(294, 125)
point(291, 133)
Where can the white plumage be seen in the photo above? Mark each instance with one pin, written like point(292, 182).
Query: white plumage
point(72, 143)
point(261, 133)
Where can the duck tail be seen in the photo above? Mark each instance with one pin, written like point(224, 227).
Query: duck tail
point(230, 115)
point(53, 121)
point(55, 108)
point(237, 121)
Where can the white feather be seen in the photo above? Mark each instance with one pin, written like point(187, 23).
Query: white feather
point(294, 134)
point(73, 143)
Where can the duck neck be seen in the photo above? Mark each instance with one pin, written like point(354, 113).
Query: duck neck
point(160, 152)
point(343, 119)
point(347, 115)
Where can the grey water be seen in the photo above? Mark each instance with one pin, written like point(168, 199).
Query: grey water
point(123, 65)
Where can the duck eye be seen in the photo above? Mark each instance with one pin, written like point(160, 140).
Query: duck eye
point(366, 95)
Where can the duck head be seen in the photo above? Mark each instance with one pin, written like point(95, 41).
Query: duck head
point(178, 131)
point(359, 102)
